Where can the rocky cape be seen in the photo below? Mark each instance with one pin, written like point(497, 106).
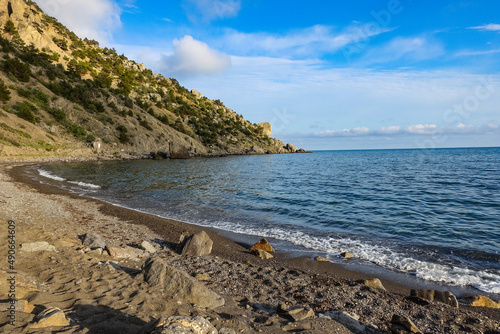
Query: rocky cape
point(64, 96)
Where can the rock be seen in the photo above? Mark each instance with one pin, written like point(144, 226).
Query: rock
point(198, 244)
point(184, 325)
point(291, 148)
point(50, 317)
point(346, 255)
point(225, 330)
point(373, 283)
point(261, 254)
point(179, 284)
point(93, 240)
point(197, 94)
point(404, 322)
point(264, 245)
point(296, 327)
point(321, 259)
point(267, 128)
point(482, 301)
point(126, 252)
point(148, 247)
point(179, 152)
point(434, 295)
point(299, 314)
point(203, 277)
point(302, 151)
point(41, 246)
point(350, 321)
point(19, 305)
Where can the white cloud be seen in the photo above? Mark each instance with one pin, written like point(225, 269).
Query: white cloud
point(467, 53)
point(487, 27)
point(210, 10)
point(94, 19)
point(409, 48)
point(417, 129)
point(192, 57)
point(311, 41)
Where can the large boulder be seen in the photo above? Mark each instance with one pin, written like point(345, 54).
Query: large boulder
point(264, 245)
point(291, 148)
point(198, 244)
point(179, 284)
point(267, 128)
point(482, 301)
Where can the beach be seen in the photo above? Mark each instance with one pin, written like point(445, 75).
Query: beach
point(99, 293)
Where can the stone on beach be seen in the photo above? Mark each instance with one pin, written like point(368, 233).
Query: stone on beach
point(350, 321)
point(403, 324)
point(20, 305)
point(183, 325)
point(177, 283)
point(50, 317)
point(262, 254)
point(347, 255)
point(483, 301)
point(126, 252)
point(321, 259)
point(301, 313)
point(40, 246)
point(445, 297)
point(148, 247)
point(373, 283)
point(93, 240)
point(198, 244)
point(264, 245)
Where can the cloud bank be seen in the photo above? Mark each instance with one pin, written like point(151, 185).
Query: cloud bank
point(192, 57)
point(417, 129)
point(94, 19)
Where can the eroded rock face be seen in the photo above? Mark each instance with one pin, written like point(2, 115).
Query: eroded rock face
point(178, 284)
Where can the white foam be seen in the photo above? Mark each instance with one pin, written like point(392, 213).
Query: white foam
point(49, 175)
point(377, 254)
point(86, 185)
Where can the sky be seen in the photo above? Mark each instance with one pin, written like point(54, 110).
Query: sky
point(359, 74)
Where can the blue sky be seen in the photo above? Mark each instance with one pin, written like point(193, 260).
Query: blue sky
point(327, 74)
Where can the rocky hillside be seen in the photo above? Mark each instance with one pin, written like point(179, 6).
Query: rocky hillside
point(61, 95)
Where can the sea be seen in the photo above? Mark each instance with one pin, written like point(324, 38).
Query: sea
point(431, 215)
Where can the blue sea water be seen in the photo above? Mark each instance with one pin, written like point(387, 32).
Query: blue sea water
point(433, 214)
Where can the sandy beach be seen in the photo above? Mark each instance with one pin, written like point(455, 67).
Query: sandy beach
point(101, 293)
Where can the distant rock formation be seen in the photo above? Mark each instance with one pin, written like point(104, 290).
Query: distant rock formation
point(267, 128)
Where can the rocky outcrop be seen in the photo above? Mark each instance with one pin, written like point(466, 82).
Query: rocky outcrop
point(291, 148)
point(198, 244)
point(197, 94)
point(482, 301)
point(178, 284)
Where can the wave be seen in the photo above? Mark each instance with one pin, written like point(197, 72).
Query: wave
point(54, 177)
point(50, 175)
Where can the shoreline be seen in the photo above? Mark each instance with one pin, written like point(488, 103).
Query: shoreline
point(235, 245)
point(253, 288)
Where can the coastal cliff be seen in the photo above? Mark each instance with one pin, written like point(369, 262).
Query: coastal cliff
point(64, 96)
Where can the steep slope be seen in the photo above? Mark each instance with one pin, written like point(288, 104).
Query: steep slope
point(65, 96)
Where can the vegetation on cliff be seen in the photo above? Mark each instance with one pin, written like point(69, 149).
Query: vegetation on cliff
point(71, 92)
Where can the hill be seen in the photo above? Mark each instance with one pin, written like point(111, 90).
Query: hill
point(62, 95)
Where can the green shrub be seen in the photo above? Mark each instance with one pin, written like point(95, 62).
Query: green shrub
point(20, 70)
point(25, 110)
point(122, 134)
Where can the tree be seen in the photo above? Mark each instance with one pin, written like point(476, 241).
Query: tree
point(4, 92)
